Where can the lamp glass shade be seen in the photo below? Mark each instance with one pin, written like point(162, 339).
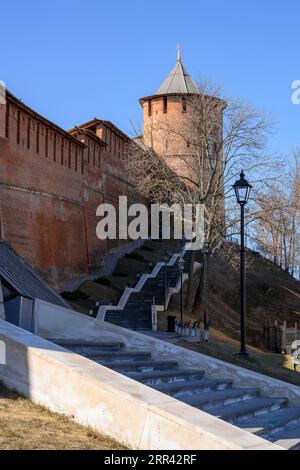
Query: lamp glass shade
point(242, 190)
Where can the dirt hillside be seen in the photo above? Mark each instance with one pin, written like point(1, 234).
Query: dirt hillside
point(272, 294)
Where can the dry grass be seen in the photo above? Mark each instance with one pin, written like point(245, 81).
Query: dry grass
point(272, 294)
point(25, 425)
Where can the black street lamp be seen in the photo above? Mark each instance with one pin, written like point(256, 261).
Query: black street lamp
point(205, 250)
point(181, 269)
point(166, 281)
point(242, 191)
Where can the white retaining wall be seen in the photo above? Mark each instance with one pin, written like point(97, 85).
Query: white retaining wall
point(96, 396)
point(58, 322)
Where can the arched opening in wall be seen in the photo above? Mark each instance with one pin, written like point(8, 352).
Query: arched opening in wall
point(165, 104)
point(38, 137)
point(54, 147)
point(76, 159)
point(46, 142)
point(166, 146)
point(18, 126)
point(149, 108)
point(213, 145)
point(82, 165)
point(99, 156)
point(62, 152)
point(69, 156)
point(7, 116)
point(28, 132)
point(183, 104)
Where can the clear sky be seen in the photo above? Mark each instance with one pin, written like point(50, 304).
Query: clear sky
point(75, 60)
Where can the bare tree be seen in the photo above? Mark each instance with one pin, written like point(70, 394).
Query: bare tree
point(277, 221)
point(223, 137)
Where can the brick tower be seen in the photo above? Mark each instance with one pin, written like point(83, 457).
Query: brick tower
point(171, 120)
point(166, 116)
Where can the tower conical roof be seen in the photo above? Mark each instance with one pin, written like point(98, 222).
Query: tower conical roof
point(178, 81)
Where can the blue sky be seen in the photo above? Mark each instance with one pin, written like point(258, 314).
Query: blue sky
point(74, 60)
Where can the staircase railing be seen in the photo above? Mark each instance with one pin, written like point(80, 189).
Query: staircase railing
point(143, 279)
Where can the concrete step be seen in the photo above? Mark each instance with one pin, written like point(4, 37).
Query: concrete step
point(166, 376)
point(271, 423)
point(247, 409)
point(139, 304)
point(141, 366)
point(130, 324)
point(288, 438)
point(134, 327)
point(176, 389)
point(87, 346)
point(140, 317)
point(118, 355)
point(129, 321)
point(130, 315)
point(228, 396)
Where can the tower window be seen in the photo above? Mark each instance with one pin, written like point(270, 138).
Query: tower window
point(184, 104)
point(149, 108)
point(165, 104)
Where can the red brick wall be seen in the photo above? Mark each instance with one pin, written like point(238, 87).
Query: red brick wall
point(169, 130)
point(50, 187)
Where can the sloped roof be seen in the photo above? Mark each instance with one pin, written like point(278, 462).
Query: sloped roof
point(89, 133)
point(18, 274)
point(96, 121)
point(178, 82)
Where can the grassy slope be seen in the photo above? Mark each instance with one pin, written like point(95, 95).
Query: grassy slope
point(224, 348)
point(25, 425)
point(272, 294)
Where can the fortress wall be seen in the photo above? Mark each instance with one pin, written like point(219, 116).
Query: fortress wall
point(51, 184)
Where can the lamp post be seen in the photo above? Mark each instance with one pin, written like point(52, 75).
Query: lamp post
point(181, 269)
point(2, 311)
point(205, 290)
point(166, 281)
point(242, 191)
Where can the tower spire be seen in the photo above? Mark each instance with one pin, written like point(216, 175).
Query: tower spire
point(178, 54)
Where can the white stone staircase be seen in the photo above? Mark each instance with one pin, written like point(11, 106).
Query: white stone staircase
point(245, 407)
